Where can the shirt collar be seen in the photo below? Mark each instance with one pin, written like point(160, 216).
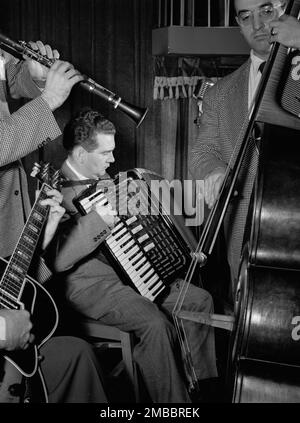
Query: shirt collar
point(79, 176)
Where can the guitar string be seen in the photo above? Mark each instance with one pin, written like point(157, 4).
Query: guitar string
point(7, 284)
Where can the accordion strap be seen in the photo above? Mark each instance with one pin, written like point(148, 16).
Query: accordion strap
point(79, 182)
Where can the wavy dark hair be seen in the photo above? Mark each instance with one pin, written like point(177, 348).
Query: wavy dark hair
point(83, 127)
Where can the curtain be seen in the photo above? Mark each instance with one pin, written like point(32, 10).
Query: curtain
point(108, 40)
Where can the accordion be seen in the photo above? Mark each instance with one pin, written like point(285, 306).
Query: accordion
point(150, 246)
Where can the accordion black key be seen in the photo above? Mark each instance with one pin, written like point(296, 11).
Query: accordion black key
point(149, 245)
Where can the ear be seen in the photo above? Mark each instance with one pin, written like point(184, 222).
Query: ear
point(79, 154)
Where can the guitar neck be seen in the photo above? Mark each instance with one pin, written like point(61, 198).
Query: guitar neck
point(14, 276)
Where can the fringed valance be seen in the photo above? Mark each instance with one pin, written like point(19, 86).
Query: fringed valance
point(175, 87)
point(179, 77)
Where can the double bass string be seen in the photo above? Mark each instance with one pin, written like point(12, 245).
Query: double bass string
point(199, 255)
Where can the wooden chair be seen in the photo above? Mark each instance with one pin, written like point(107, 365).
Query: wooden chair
point(104, 336)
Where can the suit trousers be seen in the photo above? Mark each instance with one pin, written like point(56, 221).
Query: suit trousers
point(71, 371)
point(156, 352)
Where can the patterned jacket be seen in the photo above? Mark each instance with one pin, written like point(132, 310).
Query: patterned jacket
point(22, 132)
point(225, 110)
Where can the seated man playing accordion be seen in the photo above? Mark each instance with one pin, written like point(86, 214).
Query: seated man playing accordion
point(95, 290)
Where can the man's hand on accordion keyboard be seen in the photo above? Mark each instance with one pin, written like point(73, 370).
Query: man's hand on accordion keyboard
point(107, 214)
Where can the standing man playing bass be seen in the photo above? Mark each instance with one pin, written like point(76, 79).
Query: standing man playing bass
point(227, 106)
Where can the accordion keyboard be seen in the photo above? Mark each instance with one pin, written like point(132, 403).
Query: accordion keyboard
point(147, 248)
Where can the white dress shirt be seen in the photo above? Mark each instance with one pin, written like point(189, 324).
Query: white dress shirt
point(254, 78)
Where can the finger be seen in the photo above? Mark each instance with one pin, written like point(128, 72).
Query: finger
point(211, 191)
point(73, 73)
point(206, 190)
point(211, 198)
point(216, 190)
point(55, 54)
point(41, 47)
point(55, 65)
point(49, 202)
point(55, 194)
point(61, 66)
point(208, 193)
point(49, 52)
point(65, 67)
point(77, 78)
point(25, 341)
point(33, 45)
point(57, 211)
point(31, 338)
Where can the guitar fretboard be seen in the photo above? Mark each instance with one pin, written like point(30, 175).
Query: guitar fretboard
point(13, 279)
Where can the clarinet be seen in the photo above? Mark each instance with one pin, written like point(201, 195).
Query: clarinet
point(22, 48)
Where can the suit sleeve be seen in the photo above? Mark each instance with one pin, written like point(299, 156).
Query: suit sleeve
point(206, 152)
point(29, 128)
point(77, 238)
point(19, 80)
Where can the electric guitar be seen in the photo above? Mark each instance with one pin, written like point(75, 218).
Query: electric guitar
point(20, 291)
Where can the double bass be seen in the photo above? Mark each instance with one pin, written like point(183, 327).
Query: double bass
point(266, 341)
point(265, 329)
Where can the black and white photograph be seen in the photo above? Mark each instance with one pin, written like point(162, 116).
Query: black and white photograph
point(149, 232)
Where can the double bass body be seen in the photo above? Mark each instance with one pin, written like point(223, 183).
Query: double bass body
point(266, 347)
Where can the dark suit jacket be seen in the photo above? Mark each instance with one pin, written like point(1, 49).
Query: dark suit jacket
point(24, 131)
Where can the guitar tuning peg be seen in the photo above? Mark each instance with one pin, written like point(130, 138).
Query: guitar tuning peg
point(56, 179)
point(35, 170)
point(45, 171)
point(46, 166)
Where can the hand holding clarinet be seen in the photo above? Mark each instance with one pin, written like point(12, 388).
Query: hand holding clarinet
point(61, 77)
point(58, 79)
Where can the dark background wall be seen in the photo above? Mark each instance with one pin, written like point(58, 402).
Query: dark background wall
point(108, 40)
